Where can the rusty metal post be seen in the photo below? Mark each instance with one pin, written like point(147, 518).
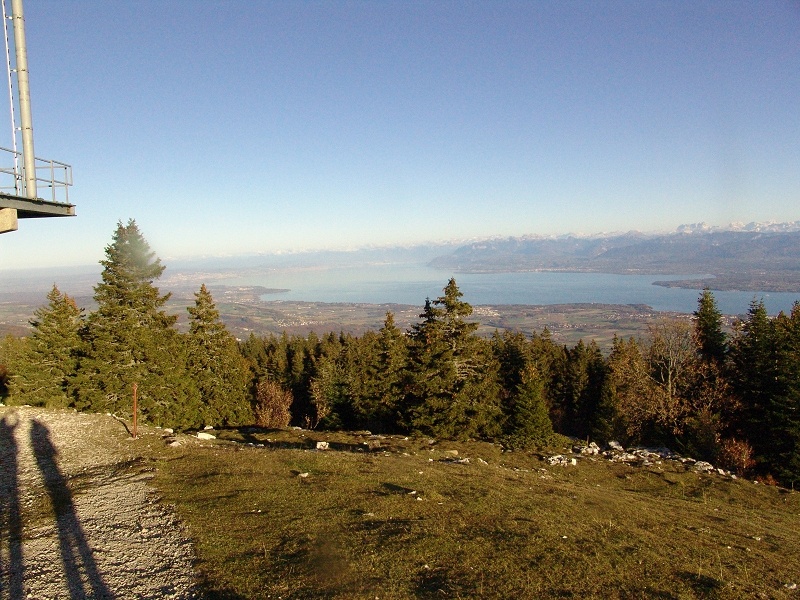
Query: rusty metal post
point(135, 408)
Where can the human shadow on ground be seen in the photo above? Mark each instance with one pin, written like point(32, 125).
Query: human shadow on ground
point(10, 519)
point(80, 568)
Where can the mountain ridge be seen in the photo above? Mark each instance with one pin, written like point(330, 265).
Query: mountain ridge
point(755, 256)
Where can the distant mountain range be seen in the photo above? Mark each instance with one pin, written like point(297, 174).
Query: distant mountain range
point(757, 256)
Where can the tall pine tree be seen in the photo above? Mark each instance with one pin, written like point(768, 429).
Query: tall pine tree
point(754, 377)
point(46, 368)
point(453, 388)
point(131, 339)
point(711, 341)
point(217, 367)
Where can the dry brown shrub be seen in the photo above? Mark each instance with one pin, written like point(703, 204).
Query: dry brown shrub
point(737, 456)
point(272, 405)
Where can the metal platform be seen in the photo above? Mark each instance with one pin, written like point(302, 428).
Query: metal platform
point(14, 204)
point(28, 208)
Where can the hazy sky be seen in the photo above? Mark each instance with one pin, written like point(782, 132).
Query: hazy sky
point(249, 126)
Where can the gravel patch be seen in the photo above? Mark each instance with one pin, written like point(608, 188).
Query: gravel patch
point(77, 517)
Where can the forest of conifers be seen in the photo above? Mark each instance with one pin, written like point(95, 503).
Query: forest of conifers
point(732, 398)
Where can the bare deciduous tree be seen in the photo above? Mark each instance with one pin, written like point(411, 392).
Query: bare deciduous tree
point(272, 405)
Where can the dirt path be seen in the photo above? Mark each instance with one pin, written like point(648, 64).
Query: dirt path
point(77, 519)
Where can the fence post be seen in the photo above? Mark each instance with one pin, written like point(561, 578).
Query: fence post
point(135, 408)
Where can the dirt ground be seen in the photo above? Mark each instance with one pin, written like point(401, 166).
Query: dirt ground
point(77, 517)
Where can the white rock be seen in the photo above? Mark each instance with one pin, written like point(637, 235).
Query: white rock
point(702, 466)
point(322, 446)
point(202, 435)
point(168, 430)
point(207, 427)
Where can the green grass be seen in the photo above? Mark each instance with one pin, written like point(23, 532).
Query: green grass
point(405, 521)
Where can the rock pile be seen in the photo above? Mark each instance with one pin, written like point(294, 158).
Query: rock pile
point(643, 457)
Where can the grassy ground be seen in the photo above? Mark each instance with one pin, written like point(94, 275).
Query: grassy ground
point(395, 518)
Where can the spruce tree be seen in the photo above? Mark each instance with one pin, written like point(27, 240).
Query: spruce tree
point(130, 339)
point(47, 366)
point(217, 367)
point(782, 455)
point(452, 386)
point(382, 379)
point(754, 377)
point(711, 341)
point(528, 424)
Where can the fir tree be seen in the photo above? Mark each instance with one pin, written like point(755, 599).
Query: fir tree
point(754, 377)
point(452, 381)
point(131, 339)
point(382, 378)
point(49, 362)
point(528, 424)
point(782, 455)
point(214, 362)
point(711, 341)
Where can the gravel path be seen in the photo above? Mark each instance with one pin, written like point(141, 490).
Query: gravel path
point(77, 518)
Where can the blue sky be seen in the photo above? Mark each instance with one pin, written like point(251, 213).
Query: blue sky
point(256, 126)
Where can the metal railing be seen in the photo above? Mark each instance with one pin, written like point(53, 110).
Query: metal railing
point(49, 174)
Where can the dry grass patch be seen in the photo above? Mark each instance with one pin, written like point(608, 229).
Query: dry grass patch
point(407, 521)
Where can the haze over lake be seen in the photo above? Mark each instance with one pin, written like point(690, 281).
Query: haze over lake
point(412, 283)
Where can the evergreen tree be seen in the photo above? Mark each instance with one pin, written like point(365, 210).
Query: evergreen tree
point(49, 362)
point(452, 385)
point(131, 339)
point(528, 424)
point(376, 376)
point(754, 377)
point(219, 371)
point(711, 341)
point(782, 455)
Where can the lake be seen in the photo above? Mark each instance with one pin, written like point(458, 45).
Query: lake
point(412, 283)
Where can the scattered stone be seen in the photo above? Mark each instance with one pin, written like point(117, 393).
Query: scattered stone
point(456, 461)
point(168, 430)
point(562, 461)
point(174, 444)
point(451, 452)
point(302, 475)
point(202, 435)
point(323, 446)
point(702, 466)
point(207, 427)
point(616, 446)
